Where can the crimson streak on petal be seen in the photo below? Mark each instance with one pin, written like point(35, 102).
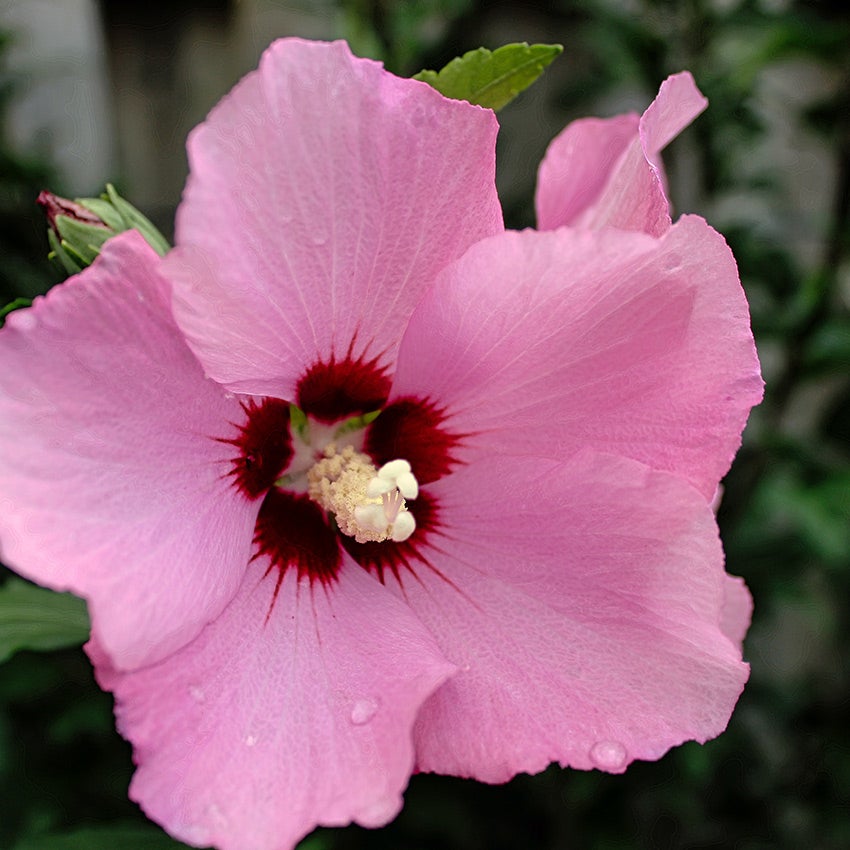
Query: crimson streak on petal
point(264, 446)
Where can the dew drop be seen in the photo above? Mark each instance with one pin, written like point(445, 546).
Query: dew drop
point(216, 815)
point(197, 694)
point(363, 711)
point(319, 238)
point(251, 740)
point(608, 755)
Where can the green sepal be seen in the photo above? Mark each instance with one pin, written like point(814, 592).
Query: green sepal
point(34, 618)
point(63, 257)
point(17, 304)
point(83, 239)
point(134, 219)
point(492, 78)
point(104, 210)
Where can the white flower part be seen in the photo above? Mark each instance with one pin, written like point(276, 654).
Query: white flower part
point(403, 527)
point(368, 504)
point(395, 475)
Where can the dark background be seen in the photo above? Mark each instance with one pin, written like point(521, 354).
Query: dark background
point(768, 164)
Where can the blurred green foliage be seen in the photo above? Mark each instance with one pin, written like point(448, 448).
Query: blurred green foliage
point(771, 169)
point(22, 270)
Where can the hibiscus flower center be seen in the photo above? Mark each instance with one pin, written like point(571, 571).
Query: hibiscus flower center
point(341, 483)
point(368, 504)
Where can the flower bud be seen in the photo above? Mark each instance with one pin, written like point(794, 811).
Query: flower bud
point(77, 229)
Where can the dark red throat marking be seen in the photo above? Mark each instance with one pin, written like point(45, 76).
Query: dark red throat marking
point(264, 446)
point(339, 389)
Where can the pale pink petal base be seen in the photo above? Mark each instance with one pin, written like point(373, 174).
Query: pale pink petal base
point(325, 195)
point(282, 715)
point(549, 342)
point(114, 486)
point(581, 602)
point(608, 172)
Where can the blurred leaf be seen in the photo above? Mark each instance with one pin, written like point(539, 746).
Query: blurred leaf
point(492, 78)
point(34, 618)
point(103, 838)
point(125, 838)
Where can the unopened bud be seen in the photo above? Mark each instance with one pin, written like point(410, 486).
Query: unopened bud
point(77, 229)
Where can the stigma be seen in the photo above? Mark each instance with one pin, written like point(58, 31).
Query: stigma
point(368, 504)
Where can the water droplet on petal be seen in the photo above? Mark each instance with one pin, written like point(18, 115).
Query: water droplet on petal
point(319, 238)
point(216, 815)
point(196, 693)
point(251, 740)
point(608, 755)
point(363, 711)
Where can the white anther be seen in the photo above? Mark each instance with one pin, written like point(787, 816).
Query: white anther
point(393, 469)
point(378, 486)
point(407, 485)
point(403, 526)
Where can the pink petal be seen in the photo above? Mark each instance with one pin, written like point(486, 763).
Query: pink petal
point(737, 612)
point(608, 172)
point(283, 715)
point(325, 195)
point(112, 485)
point(581, 602)
point(548, 342)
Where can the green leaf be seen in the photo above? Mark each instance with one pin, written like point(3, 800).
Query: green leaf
point(34, 618)
point(103, 838)
point(492, 78)
point(12, 306)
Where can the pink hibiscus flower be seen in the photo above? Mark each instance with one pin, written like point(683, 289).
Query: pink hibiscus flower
point(297, 604)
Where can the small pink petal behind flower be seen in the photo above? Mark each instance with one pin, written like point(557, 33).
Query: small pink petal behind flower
point(325, 195)
point(737, 611)
point(608, 172)
point(281, 716)
point(111, 482)
point(549, 342)
point(582, 609)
